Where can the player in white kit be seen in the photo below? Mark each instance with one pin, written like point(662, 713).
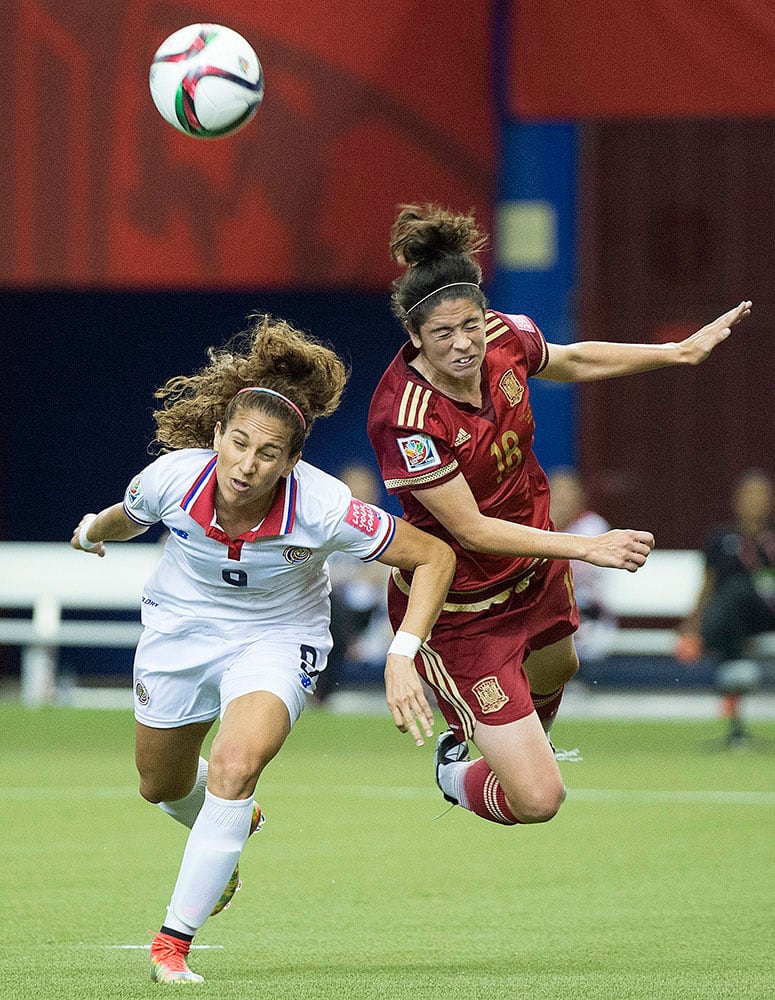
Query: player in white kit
point(236, 613)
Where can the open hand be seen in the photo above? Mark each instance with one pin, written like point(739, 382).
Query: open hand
point(695, 349)
point(406, 698)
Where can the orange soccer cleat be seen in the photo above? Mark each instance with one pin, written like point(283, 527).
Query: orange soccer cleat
point(168, 960)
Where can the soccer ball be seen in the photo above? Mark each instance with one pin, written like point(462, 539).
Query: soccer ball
point(206, 80)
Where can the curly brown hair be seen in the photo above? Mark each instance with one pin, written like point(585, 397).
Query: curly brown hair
point(271, 354)
point(438, 248)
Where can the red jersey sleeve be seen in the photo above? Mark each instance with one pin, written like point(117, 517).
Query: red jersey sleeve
point(533, 341)
point(411, 437)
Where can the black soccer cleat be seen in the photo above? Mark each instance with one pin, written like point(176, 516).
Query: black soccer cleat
point(449, 750)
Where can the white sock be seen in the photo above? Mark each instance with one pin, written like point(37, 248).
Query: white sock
point(452, 780)
point(212, 850)
point(186, 810)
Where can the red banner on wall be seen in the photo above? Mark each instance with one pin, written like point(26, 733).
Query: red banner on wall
point(653, 58)
point(362, 111)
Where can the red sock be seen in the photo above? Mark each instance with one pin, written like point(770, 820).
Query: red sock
point(547, 706)
point(485, 795)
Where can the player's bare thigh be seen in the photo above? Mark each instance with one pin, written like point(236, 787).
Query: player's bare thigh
point(551, 667)
point(253, 728)
point(521, 757)
point(167, 759)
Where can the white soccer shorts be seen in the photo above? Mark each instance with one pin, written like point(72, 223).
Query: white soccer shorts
point(192, 675)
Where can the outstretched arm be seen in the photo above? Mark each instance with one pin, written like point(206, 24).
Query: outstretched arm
point(453, 504)
point(590, 360)
point(432, 563)
point(110, 525)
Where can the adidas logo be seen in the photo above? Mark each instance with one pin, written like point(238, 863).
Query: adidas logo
point(462, 437)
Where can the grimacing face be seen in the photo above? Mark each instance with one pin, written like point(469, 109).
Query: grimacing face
point(253, 456)
point(452, 341)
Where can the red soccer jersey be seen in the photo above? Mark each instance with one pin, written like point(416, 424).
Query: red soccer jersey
point(422, 438)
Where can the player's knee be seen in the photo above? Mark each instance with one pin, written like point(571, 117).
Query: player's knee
point(541, 812)
point(234, 770)
point(156, 788)
point(540, 804)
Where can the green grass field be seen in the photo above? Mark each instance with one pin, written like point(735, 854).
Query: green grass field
point(655, 880)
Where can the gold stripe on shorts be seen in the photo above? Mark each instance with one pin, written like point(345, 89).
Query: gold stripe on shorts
point(439, 677)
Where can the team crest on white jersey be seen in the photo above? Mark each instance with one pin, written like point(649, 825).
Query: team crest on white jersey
point(511, 387)
point(489, 694)
point(296, 554)
point(141, 693)
point(419, 452)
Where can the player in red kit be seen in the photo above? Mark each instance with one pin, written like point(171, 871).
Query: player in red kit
point(452, 428)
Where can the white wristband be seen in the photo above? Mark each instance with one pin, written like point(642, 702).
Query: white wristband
point(405, 644)
point(85, 542)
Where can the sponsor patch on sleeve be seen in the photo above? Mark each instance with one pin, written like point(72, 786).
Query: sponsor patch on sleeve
point(523, 323)
point(419, 452)
point(134, 493)
point(363, 517)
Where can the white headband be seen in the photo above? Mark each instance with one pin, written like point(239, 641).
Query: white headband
point(452, 284)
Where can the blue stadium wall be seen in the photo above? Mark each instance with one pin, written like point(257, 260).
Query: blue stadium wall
point(537, 212)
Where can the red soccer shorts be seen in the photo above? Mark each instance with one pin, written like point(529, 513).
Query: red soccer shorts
point(473, 659)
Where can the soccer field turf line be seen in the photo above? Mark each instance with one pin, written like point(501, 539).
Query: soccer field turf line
point(601, 795)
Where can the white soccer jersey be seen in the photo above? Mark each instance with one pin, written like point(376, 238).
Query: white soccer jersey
point(272, 576)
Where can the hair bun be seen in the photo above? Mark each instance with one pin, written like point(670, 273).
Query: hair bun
point(423, 233)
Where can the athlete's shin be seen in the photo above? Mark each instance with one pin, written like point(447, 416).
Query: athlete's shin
point(212, 851)
point(485, 796)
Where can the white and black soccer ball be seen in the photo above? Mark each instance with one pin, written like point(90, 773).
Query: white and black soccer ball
point(206, 80)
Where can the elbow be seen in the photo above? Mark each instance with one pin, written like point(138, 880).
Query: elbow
point(445, 559)
point(469, 537)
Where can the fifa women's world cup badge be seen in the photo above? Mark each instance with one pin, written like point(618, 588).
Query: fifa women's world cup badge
point(134, 493)
point(419, 452)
